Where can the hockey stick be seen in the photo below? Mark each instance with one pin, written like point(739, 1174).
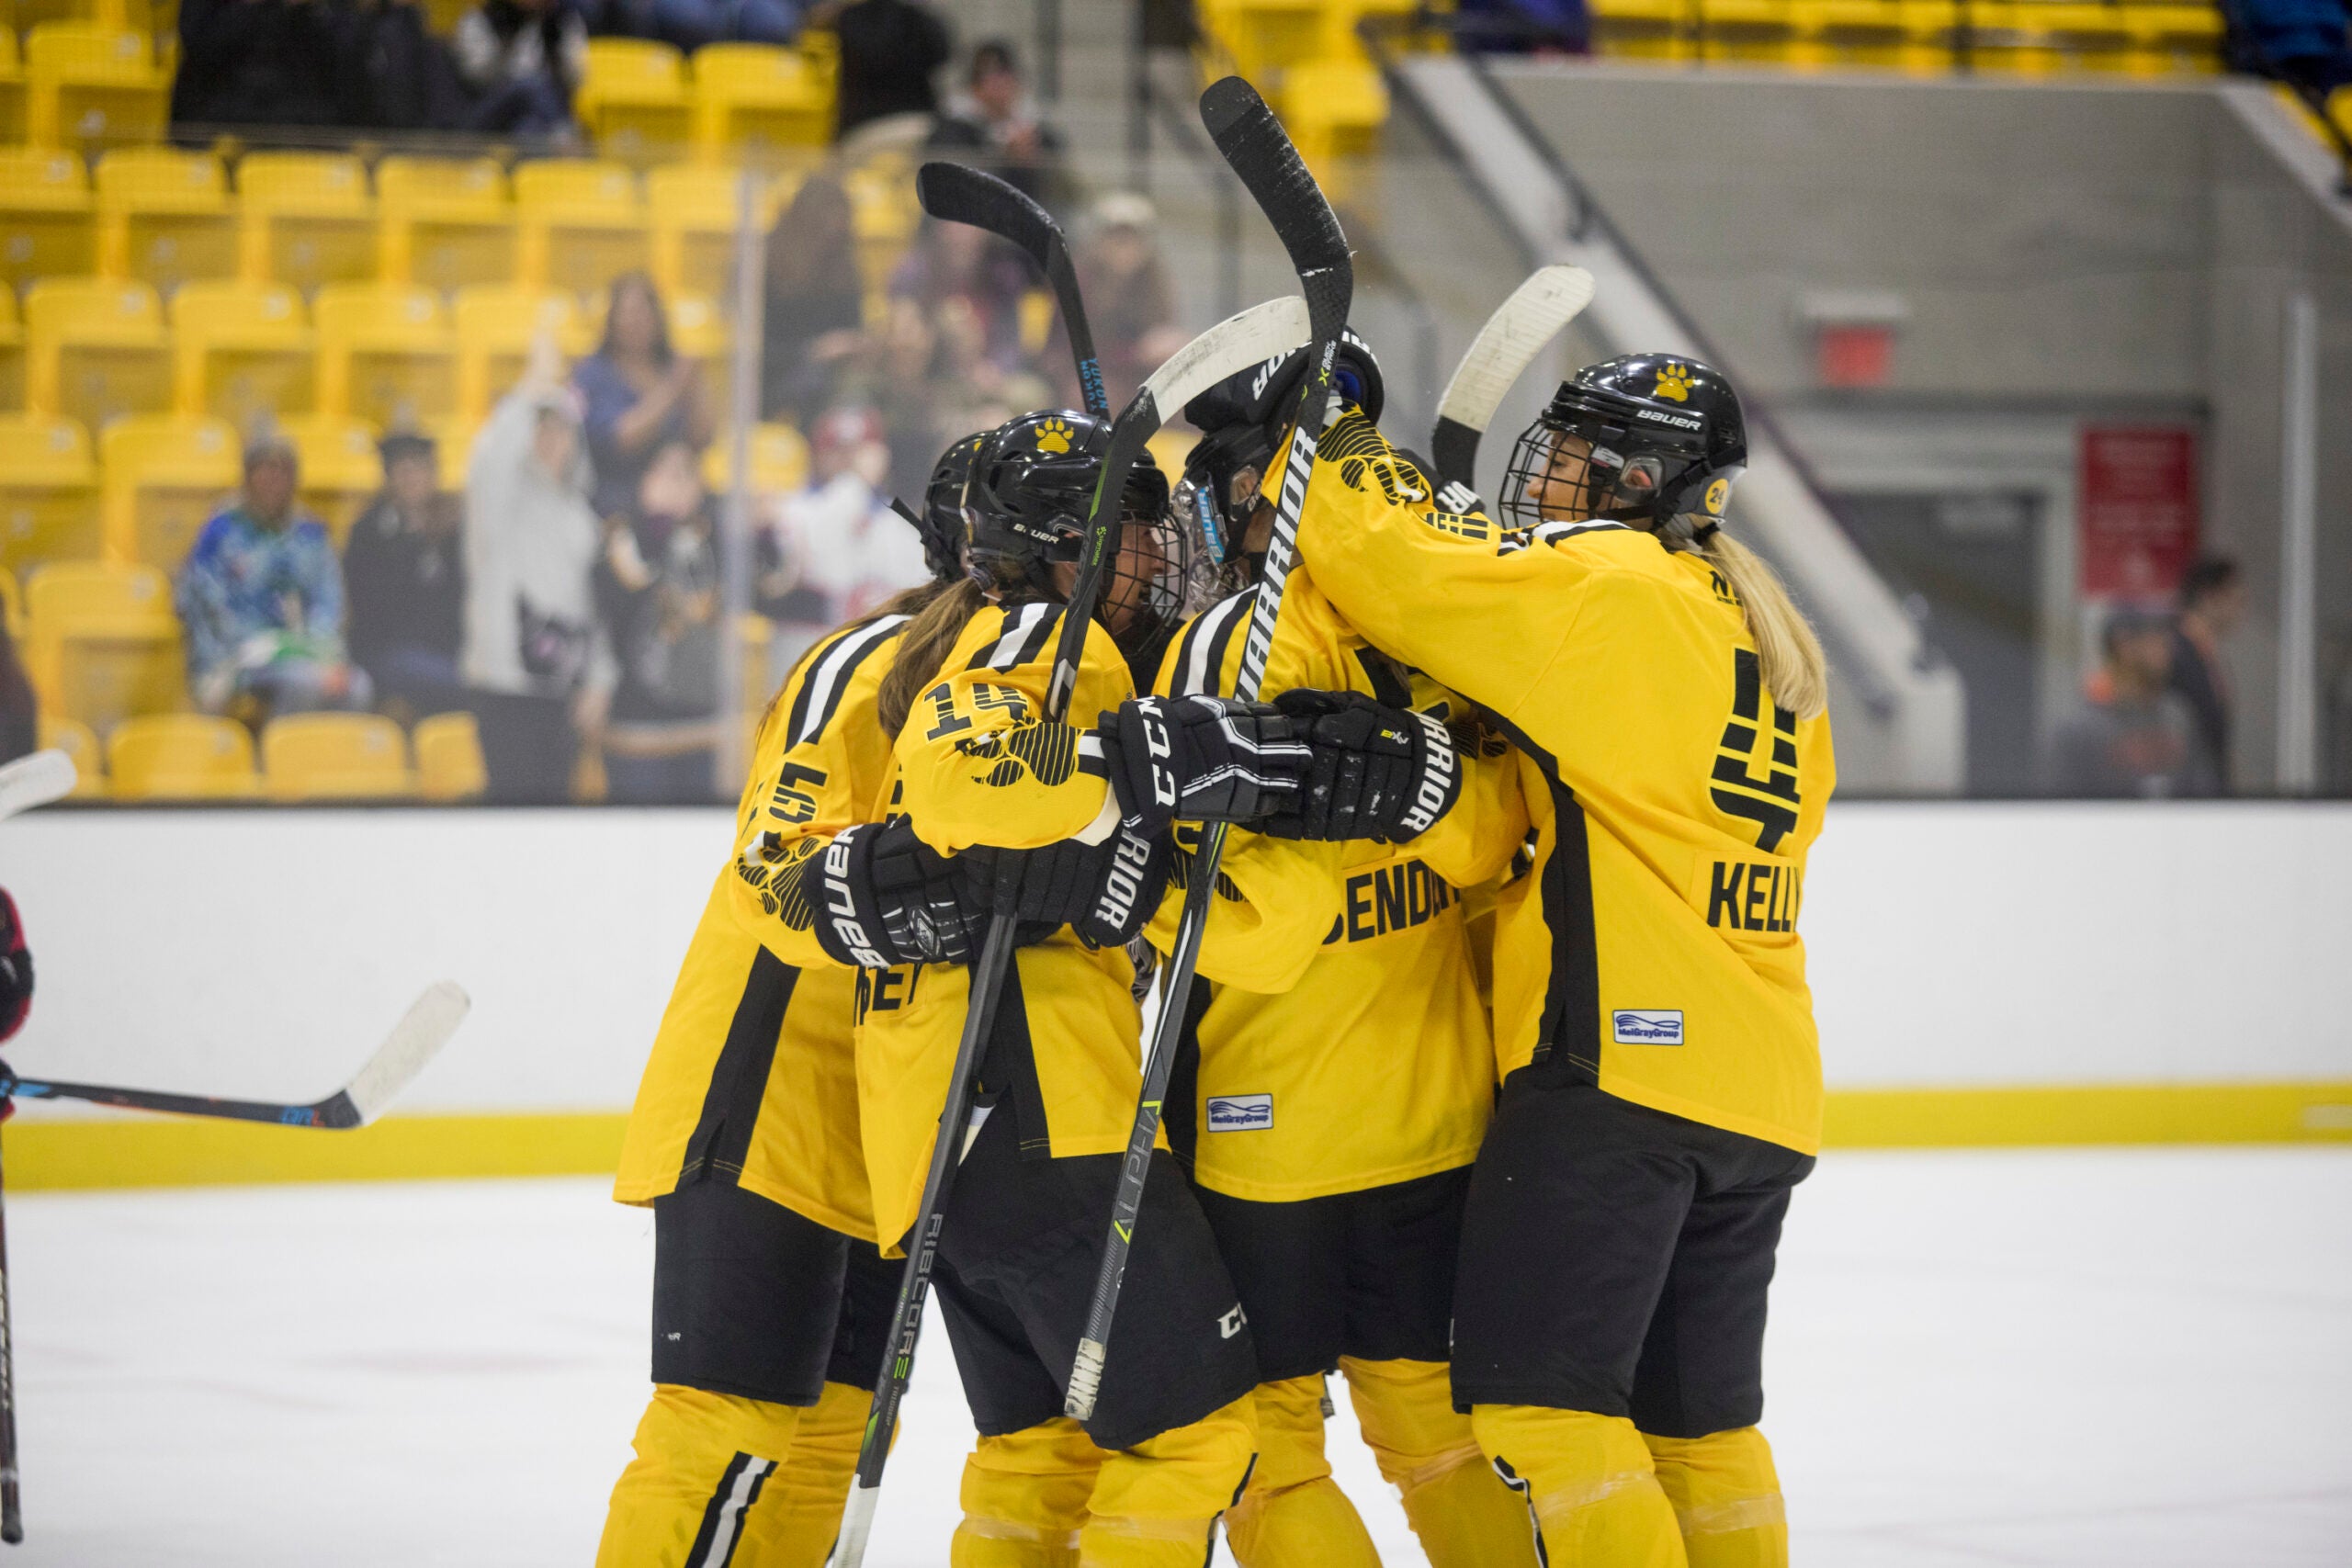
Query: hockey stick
point(1255, 144)
point(12, 1515)
point(35, 781)
point(422, 1031)
point(961, 193)
point(1533, 315)
point(1262, 331)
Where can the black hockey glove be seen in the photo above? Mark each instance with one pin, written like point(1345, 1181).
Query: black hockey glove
point(1379, 773)
point(1106, 892)
point(1202, 758)
point(884, 896)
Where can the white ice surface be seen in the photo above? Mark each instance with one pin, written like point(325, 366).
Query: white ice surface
point(2140, 1358)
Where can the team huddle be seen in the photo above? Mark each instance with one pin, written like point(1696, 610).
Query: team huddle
point(1489, 1099)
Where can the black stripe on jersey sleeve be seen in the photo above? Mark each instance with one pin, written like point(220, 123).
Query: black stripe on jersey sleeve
point(1188, 642)
point(852, 648)
point(1570, 1033)
point(739, 1079)
point(1022, 638)
point(1388, 684)
point(1245, 610)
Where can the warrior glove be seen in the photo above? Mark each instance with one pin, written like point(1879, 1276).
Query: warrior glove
point(1379, 773)
point(885, 897)
point(1202, 758)
point(1106, 892)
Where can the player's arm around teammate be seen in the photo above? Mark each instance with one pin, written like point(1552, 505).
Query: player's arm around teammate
point(770, 1302)
point(1661, 1075)
point(1336, 1070)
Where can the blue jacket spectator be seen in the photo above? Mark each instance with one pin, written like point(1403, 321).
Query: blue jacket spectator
point(2307, 43)
point(638, 394)
point(261, 597)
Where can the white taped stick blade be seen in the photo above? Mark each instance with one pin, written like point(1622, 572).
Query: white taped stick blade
point(36, 781)
point(1247, 338)
point(429, 1022)
point(1512, 337)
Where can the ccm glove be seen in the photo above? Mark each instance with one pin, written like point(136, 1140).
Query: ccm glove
point(1204, 759)
point(885, 898)
point(1106, 892)
point(1379, 773)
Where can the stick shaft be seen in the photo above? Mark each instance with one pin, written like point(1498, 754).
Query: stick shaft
point(335, 1112)
point(12, 1519)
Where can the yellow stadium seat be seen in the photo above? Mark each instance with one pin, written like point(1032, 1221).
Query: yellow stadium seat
point(341, 469)
point(160, 477)
point(102, 642)
point(46, 224)
point(136, 16)
point(883, 214)
point(583, 224)
point(496, 325)
point(180, 756)
point(1867, 33)
point(1333, 110)
point(49, 492)
point(306, 218)
point(633, 99)
point(246, 351)
point(336, 756)
point(2087, 37)
point(2006, 37)
point(446, 222)
point(1640, 29)
point(448, 757)
point(385, 354)
point(92, 85)
point(778, 461)
point(1747, 29)
point(12, 606)
point(12, 354)
point(695, 209)
point(1929, 27)
point(756, 103)
point(12, 90)
point(2169, 40)
point(77, 740)
point(164, 216)
point(1265, 38)
point(95, 350)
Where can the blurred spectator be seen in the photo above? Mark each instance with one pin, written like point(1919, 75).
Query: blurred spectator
point(638, 394)
point(404, 569)
point(255, 63)
point(540, 666)
point(995, 120)
point(955, 265)
point(834, 548)
point(261, 598)
point(1523, 27)
point(19, 710)
point(689, 24)
point(900, 377)
point(2305, 43)
point(814, 314)
point(392, 74)
point(657, 584)
point(890, 50)
point(2212, 600)
point(1129, 302)
point(521, 60)
point(2133, 736)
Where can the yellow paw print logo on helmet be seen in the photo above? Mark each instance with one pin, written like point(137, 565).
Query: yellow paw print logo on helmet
point(1053, 435)
point(1674, 382)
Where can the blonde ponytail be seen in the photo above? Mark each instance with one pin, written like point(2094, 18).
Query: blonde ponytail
point(1794, 670)
point(922, 648)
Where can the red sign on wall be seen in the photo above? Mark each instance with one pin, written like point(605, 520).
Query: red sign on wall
point(2137, 509)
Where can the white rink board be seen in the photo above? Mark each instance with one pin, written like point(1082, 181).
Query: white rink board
point(264, 953)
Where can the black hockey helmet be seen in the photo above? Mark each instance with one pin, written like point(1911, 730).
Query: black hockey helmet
point(1024, 510)
point(940, 524)
point(1239, 420)
point(1667, 437)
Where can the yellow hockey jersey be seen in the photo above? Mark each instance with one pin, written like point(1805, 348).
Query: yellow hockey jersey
point(1341, 1043)
point(1655, 945)
point(977, 763)
point(752, 1077)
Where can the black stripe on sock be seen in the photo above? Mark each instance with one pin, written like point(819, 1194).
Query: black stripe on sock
point(697, 1555)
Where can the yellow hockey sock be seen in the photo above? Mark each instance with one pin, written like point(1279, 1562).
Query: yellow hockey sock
point(1728, 1496)
point(1024, 1498)
point(1459, 1507)
point(704, 1463)
point(800, 1506)
point(1589, 1481)
point(1154, 1504)
point(1293, 1515)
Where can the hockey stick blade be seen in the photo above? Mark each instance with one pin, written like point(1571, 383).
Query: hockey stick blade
point(421, 1033)
point(36, 781)
point(1252, 141)
point(961, 193)
point(1521, 325)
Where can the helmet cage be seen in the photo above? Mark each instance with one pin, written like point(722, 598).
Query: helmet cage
point(1647, 461)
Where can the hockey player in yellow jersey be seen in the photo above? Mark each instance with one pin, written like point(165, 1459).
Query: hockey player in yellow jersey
point(770, 1302)
point(1337, 1069)
point(1661, 1074)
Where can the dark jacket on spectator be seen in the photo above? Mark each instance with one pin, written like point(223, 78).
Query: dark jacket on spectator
point(257, 62)
point(405, 588)
point(2201, 684)
point(889, 49)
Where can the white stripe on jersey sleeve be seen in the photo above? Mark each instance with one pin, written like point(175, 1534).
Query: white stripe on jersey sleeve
point(825, 680)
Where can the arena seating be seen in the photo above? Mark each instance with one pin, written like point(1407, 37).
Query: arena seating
point(180, 756)
point(448, 757)
point(336, 756)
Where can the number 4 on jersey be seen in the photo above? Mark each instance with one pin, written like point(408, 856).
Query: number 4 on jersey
point(1770, 800)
